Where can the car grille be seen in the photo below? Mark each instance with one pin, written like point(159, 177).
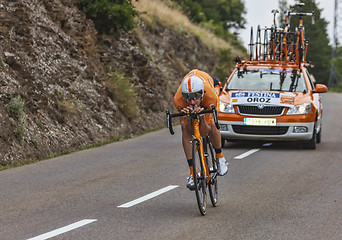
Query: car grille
point(265, 111)
point(260, 130)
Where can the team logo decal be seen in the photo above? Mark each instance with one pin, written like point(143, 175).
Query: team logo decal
point(260, 99)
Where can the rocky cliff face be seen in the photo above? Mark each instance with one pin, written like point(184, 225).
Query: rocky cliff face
point(55, 71)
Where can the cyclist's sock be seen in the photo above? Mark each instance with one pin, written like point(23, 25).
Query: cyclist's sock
point(218, 152)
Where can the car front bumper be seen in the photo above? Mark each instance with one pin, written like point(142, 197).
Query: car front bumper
point(232, 130)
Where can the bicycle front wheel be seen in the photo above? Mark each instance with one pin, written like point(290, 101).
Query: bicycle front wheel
point(199, 178)
point(212, 166)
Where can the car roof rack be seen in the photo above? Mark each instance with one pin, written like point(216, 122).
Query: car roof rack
point(278, 47)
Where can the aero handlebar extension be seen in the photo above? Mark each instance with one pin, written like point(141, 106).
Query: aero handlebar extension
point(192, 115)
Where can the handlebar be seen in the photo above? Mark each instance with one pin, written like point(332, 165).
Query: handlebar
point(301, 14)
point(192, 115)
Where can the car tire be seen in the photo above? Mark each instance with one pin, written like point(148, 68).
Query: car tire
point(223, 141)
point(311, 144)
point(319, 135)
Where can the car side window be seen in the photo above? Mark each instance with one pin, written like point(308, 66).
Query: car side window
point(310, 80)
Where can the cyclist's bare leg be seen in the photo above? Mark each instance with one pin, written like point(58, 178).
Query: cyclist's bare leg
point(211, 130)
point(205, 129)
point(215, 136)
point(186, 140)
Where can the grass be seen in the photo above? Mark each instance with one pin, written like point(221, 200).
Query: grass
point(166, 13)
point(124, 92)
point(67, 106)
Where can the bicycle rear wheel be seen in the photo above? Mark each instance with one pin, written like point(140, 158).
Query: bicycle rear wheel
point(199, 178)
point(212, 166)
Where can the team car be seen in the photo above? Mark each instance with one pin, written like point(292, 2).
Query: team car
point(267, 102)
point(272, 96)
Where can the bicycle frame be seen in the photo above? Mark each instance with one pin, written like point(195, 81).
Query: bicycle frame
point(203, 176)
point(197, 137)
point(197, 134)
point(301, 44)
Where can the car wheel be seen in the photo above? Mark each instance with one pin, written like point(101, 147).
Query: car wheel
point(319, 135)
point(311, 144)
point(223, 141)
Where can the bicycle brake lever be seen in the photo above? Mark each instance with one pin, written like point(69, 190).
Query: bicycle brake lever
point(169, 122)
point(215, 117)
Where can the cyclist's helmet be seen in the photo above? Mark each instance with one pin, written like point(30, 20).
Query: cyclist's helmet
point(192, 88)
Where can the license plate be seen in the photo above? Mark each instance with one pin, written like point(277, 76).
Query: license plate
point(260, 121)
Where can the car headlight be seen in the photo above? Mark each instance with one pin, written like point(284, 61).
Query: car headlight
point(304, 108)
point(226, 108)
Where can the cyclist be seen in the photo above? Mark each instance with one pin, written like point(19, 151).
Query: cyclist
point(197, 92)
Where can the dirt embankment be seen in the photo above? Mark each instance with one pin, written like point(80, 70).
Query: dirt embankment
point(55, 70)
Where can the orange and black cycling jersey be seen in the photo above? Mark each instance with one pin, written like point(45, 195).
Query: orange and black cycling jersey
point(211, 91)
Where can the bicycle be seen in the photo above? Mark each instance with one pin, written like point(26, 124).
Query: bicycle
point(301, 43)
point(204, 161)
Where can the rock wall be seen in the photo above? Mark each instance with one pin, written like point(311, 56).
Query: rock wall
point(54, 70)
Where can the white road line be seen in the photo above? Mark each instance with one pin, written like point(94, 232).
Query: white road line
point(241, 156)
point(267, 144)
point(63, 229)
point(148, 196)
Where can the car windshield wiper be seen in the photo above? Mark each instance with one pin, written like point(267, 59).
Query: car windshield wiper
point(233, 89)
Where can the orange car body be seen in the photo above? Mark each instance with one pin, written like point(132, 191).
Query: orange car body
point(271, 102)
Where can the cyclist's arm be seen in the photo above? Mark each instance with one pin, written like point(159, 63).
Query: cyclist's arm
point(209, 98)
point(178, 100)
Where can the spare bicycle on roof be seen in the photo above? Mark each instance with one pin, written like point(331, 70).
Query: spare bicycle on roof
point(280, 45)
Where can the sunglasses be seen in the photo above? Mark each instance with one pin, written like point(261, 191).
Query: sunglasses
point(192, 95)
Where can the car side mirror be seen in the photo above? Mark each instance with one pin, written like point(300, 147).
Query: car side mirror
point(320, 88)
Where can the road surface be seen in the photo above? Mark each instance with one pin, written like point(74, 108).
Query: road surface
point(272, 191)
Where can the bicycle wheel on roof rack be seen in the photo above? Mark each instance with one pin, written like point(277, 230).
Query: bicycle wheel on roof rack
point(251, 45)
point(258, 44)
point(265, 44)
point(300, 48)
point(199, 177)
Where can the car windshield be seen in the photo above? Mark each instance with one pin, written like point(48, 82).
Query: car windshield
point(268, 80)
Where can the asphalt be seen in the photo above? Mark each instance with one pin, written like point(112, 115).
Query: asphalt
point(279, 192)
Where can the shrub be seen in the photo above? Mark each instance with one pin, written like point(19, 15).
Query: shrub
point(16, 109)
point(124, 93)
point(226, 64)
point(109, 15)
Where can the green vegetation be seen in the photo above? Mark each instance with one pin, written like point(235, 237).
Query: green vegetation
point(124, 93)
point(109, 15)
point(16, 110)
point(338, 69)
point(319, 51)
point(226, 64)
point(67, 106)
point(219, 15)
